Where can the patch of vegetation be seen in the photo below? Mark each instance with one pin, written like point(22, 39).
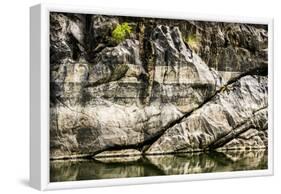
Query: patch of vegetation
point(121, 32)
point(193, 41)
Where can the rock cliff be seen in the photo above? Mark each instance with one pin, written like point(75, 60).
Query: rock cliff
point(169, 86)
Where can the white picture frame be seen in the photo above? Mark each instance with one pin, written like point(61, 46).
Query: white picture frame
point(39, 102)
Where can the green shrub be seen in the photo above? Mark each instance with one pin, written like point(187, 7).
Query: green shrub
point(121, 32)
point(193, 41)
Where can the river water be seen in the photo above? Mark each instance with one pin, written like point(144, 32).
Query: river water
point(156, 165)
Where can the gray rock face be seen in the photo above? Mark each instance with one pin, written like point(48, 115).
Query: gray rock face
point(240, 108)
point(229, 46)
point(153, 93)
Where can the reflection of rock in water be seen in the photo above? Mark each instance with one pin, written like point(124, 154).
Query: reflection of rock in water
point(210, 162)
point(64, 170)
point(251, 159)
point(92, 169)
point(183, 163)
point(155, 165)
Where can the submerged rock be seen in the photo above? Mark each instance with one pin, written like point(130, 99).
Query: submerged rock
point(118, 156)
point(124, 152)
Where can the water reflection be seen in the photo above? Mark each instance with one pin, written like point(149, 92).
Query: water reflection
point(155, 165)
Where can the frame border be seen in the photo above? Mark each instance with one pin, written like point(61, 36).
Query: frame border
point(39, 97)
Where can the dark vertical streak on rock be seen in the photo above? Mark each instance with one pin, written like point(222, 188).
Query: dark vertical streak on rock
point(148, 61)
point(88, 37)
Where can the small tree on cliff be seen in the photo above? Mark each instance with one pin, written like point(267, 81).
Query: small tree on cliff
point(121, 32)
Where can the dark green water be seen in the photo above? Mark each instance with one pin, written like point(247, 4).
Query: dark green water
point(155, 165)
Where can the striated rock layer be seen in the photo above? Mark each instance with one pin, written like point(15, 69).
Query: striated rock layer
point(169, 86)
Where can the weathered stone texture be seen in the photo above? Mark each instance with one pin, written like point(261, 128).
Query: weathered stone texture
point(155, 91)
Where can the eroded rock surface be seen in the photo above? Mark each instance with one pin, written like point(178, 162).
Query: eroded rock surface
point(156, 91)
point(230, 114)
